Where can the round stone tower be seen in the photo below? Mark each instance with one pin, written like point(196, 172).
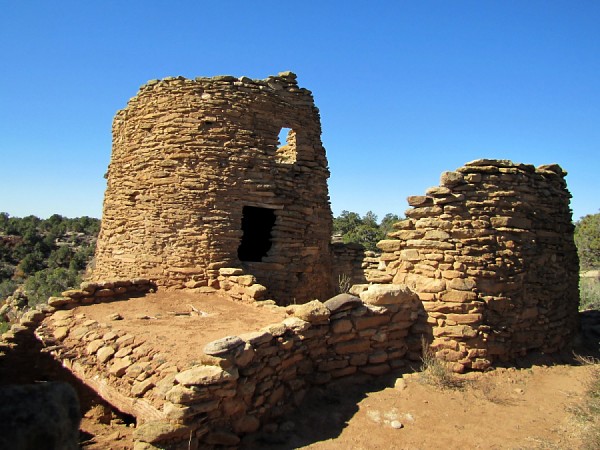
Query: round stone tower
point(200, 179)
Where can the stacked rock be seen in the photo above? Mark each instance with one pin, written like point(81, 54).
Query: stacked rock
point(490, 252)
point(239, 382)
point(197, 170)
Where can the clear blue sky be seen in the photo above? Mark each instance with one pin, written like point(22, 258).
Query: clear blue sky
point(406, 89)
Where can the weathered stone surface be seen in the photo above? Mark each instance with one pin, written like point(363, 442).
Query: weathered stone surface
point(155, 432)
point(61, 333)
point(230, 271)
point(177, 412)
point(342, 302)
point(313, 311)
point(462, 284)
point(451, 179)
point(225, 346)
point(364, 322)
point(204, 375)
point(458, 296)
point(256, 337)
point(296, 324)
point(165, 169)
point(59, 301)
point(104, 354)
point(119, 366)
point(496, 236)
point(140, 388)
point(381, 294)
point(186, 395)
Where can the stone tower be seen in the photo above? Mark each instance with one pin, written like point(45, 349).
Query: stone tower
point(199, 180)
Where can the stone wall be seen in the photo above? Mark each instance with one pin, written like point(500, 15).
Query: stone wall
point(198, 176)
point(240, 382)
point(490, 252)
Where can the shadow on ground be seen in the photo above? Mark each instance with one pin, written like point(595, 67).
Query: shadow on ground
point(326, 410)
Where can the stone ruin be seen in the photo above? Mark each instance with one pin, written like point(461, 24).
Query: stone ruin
point(201, 195)
point(491, 255)
point(199, 181)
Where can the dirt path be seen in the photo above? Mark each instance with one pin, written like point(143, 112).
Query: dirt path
point(502, 409)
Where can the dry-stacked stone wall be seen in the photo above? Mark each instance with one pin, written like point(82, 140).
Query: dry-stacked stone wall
point(238, 383)
point(352, 263)
point(199, 181)
point(490, 252)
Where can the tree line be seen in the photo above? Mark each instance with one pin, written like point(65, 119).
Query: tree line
point(44, 256)
point(365, 230)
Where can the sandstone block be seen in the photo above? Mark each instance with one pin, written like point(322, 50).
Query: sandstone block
point(365, 322)
point(119, 366)
point(60, 333)
point(313, 311)
point(230, 271)
point(458, 296)
point(389, 245)
point(140, 388)
point(343, 302)
point(256, 337)
point(419, 200)
point(341, 326)
point(187, 395)
point(380, 294)
point(451, 179)
point(462, 284)
point(59, 301)
point(155, 432)
point(104, 354)
point(223, 347)
point(256, 291)
point(204, 375)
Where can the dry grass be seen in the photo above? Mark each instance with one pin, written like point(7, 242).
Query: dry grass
point(587, 414)
point(344, 283)
point(436, 372)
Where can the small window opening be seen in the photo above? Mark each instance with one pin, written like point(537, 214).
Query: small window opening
point(286, 151)
point(257, 225)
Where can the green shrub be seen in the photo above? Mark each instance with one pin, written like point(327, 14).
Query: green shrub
point(589, 293)
point(50, 282)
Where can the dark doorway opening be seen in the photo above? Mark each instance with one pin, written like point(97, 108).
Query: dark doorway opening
point(257, 224)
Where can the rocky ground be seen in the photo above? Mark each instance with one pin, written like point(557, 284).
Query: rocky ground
point(531, 406)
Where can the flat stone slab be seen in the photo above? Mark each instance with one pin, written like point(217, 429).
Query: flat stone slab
point(203, 375)
point(343, 302)
point(224, 346)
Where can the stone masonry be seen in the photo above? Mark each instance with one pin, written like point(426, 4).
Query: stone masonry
point(238, 383)
point(199, 181)
point(490, 252)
